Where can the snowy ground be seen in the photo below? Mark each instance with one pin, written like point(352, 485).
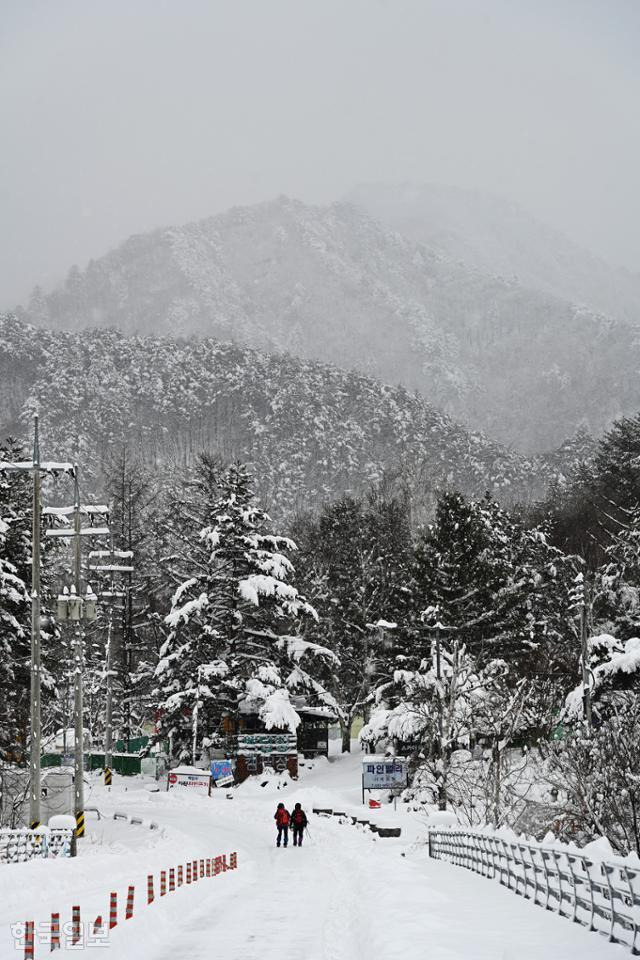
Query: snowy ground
point(345, 895)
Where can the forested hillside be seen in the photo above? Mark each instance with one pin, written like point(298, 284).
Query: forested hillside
point(332, 284)
point(499, 237)
point(308, 431)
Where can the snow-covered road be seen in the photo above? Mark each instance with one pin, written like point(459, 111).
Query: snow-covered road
point(345, 895)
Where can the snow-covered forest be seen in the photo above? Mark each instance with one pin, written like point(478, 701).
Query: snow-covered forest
point(456, 639)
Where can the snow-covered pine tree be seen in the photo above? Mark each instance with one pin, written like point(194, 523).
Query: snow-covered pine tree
point(499, 584)
point(15, 609)
point(355, 567)
point(232, 615)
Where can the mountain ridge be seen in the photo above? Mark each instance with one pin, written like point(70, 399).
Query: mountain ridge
point(330, 283)
point(310, 432)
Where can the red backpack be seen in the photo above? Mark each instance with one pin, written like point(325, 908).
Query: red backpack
point(282, 818)
point(298, 817)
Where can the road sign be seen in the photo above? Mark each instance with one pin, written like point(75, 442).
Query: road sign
point(384, 773)
point(189, 777)
point(222, 773)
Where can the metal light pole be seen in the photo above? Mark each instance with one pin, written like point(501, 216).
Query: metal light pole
point(35, 733)
point(78, 713)
point(35, 467)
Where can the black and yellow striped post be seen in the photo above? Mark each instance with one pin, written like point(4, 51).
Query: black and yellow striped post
point(80, 823)
point(108, 776)
point(34, 824)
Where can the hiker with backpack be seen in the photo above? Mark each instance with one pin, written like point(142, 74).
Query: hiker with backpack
point(282, 819)
point(298, 823)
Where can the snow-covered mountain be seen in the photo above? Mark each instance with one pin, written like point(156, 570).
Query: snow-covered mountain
point(308, 431)
point(499, 237)
point(331, 284)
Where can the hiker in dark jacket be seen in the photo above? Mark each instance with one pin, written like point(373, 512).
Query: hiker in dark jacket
point(282, 819)
point(298, 823)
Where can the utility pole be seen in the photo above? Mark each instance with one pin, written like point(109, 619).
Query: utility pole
point(584, 658)
point(75, 607)
point(438, 628)
point(112, 568)
point(36, 468)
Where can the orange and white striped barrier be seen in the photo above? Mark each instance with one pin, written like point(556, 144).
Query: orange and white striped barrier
point(75, 930)
point(55, 931)
point(129, 911)
point(28, 940)
point(210, 866)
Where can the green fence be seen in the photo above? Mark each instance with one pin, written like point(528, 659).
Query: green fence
point(125, 763)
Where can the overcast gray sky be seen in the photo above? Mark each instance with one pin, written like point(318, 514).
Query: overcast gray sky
point(117, 116)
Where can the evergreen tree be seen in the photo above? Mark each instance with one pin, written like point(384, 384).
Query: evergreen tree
point(15, 607)
point(356, 569)
point(499, 585)
point(230, 643)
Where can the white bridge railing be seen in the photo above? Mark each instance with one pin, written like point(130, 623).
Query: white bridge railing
point(17, 846)
point(603, 896)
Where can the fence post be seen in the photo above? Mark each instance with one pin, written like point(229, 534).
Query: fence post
point(113, 911)
point(607, 873)
point(629, 876)
point(129, 910)
point(150, 888)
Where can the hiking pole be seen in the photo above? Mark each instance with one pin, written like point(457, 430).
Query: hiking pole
point(306, 830)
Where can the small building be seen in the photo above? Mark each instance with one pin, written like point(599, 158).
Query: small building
point(256, 749)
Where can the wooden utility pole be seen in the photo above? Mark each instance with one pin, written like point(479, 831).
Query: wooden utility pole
point(584, 657)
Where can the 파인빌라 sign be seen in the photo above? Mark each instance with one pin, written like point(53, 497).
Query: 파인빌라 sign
point(384, 773)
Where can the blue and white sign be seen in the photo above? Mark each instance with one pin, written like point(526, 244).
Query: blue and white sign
point(384, 773)
point(222, 772)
